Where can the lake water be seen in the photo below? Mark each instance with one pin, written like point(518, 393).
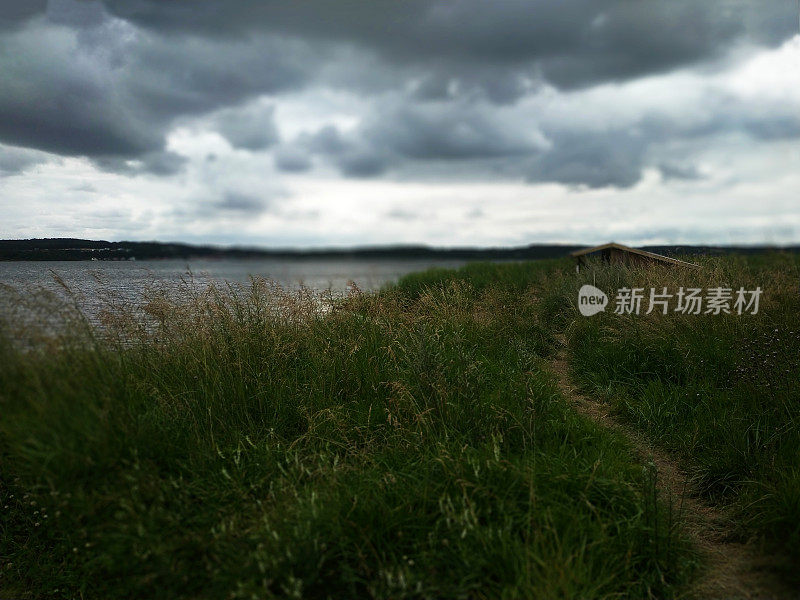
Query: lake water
point(131, 276)
point(94, 282)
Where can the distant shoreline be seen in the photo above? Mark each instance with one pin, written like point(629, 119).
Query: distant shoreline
point(72, 249)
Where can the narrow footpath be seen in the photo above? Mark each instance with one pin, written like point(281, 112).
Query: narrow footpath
point(733, 570)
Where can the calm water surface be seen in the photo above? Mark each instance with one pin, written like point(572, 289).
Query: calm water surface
point(93, 282)
point(131, 276)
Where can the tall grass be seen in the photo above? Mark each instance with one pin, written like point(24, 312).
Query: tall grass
point(720, 391)
point(244, 443)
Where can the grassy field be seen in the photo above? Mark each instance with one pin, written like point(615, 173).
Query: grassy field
point(412, 443)
point(722, 392)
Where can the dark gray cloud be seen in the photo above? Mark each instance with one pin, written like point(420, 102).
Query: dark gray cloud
point(674, 170)
point(81, 14)
point(108, 79)
point(448, 131)
point(327, 140)
point(478, 140)
point(109, 91)
point(292, 159)
point(13, 13)
point(159, 162)
point(594, 160)
point(162, 163)
point(362, 162)
point(403, 131)
point(245, 204)
point(53, 101)
point(772, 126)
point(187, 75)
point(16, 160)
point(226, 205)
point(354, 154)
point(251, 128)
point(617, 156)
point(573, 42)
point(457, 139)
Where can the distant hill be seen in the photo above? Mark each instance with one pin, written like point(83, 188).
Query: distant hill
point(77, 249)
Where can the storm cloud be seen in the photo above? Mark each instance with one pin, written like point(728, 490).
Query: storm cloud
point(107, 89)
point(575, 42)
point(16, 160)
point(583, 94)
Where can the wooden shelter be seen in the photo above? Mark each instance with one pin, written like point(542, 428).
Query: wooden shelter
point(618, 254)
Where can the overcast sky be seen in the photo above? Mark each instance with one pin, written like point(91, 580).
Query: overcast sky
point(445, 122)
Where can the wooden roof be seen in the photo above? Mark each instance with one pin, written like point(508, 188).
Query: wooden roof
point(650, 255)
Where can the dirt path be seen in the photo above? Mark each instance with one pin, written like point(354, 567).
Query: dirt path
point(734, 570)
